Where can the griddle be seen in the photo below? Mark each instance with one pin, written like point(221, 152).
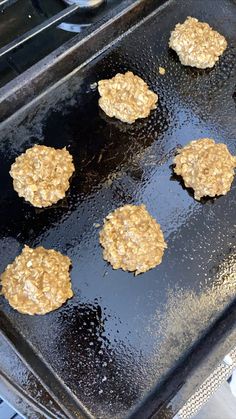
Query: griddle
point(125, 346)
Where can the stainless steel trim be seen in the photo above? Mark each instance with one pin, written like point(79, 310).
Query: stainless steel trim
point(209, 386)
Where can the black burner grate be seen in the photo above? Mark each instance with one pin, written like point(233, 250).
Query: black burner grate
point(31, 29)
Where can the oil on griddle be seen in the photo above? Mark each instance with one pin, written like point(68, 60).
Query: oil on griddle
point(120, 335)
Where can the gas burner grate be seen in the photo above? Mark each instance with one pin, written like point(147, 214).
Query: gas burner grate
point(52, 21)
point(32, 29)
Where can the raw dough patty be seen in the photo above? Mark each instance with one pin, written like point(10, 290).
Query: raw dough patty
point(197, 44)
point(206, 167)
point(132, 239)
point(126, 97)
point(38, 281)
point(41, 175)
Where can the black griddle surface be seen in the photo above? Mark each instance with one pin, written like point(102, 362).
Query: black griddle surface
point(120, 335)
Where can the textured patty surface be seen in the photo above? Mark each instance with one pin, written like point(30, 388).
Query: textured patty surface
point(197, 44)
point(38, 281)
point(126, 97)
point(132, 239)
point(206, 167)
point(41, 175)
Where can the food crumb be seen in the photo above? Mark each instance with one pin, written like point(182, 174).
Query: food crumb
point(162, 71)
point(96, 225)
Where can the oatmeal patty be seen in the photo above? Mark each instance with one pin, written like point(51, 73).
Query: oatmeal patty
point(38, 281)
point(206, 167)
point(197, 44)
point(132, 239)
point(126, 97)
point(41, 175)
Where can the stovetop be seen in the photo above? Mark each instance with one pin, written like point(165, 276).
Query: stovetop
point(19, 17)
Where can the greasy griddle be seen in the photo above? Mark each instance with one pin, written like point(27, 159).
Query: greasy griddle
point(121, 336)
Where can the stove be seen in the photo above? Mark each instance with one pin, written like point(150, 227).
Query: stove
point(31, 29)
